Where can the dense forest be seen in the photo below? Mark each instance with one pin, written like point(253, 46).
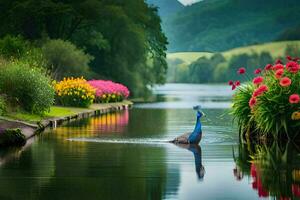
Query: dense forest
point(218, 25)
point(109, 39)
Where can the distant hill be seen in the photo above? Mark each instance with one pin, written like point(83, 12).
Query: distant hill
point(218, 25)
point(276, 49)
point(166, 7)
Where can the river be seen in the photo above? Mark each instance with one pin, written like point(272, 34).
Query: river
point(125, 155)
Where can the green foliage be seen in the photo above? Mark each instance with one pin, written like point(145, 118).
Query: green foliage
point(2, 105)
point(13, 47)
point(240, 108)
point(64, 59)
point(12, 137)
point(212, 26)
point(271, 115)
point(128, 47)
point(27, 87)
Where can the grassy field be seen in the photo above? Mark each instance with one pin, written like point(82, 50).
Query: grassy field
point(274, 48)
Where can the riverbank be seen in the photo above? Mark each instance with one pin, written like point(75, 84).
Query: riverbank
point(30, 125)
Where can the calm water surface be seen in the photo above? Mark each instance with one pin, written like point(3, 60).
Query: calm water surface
point(125, 155)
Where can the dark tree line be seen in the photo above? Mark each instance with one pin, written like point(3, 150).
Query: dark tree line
point(124, 37)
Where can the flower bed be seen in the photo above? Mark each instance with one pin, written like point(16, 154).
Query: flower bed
point(108, 91)
point(270, 104)
point(74, 92)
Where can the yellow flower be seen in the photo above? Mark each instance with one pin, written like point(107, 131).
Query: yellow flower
point(296, 115)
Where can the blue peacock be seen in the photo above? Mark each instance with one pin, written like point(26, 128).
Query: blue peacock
point(194, 137)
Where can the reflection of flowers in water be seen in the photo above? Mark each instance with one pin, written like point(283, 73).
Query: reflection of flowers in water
point(257, 183)
point(274, 169)
point(111, 122)
point(104, 124)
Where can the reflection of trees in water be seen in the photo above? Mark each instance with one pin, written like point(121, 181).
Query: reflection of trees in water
point(147, 122)
point(274, 169)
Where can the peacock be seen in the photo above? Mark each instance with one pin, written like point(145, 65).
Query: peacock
point(194, 137)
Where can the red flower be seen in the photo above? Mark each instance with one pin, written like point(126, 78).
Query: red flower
point(257, 71)
point(258, 80)
point(263, 88)
point(292, 66)
point(237, 83)
point(260, 90)
point(233, 87)
point(278, 66)
point(241, 70)
point(230, 82)
point(294, 99)
point(278, 61)
point(289, 58)
point(268, 67)
point(285, 82)
point(296, 190)
point(252, 102)
point(279, 73)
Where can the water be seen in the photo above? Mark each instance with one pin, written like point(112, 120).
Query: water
point(125, 155)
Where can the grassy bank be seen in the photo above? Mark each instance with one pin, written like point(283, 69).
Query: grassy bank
point(59, 111)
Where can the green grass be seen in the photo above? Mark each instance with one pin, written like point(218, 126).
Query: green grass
point(276, 49)
point(55, 111)
point(58, 111)
point(188, 57)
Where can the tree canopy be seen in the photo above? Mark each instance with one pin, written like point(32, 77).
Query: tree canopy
point(124, 37)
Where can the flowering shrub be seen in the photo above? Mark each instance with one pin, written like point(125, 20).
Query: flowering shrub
point(74, 92)
point(108, 91)
point(270, 103)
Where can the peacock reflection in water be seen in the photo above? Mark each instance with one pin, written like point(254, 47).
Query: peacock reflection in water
point(273, 169)
point(197, 152)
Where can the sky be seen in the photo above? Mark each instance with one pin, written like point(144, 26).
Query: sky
point(188, 2)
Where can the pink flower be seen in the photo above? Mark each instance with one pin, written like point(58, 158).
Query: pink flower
point(292, 66)
point(296, 59)
point(233, 87)
point(230, 82)
point(252, 102)
point(242, 70)
point(257, 71)
point(237, 83)
point(285, 82)
point(258, 80)
point(268, 67)
point(294, 99)
point(279, 73)
point(289, 58)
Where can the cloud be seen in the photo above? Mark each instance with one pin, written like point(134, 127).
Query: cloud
point(188, 2)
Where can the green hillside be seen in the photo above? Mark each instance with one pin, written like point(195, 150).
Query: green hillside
point(219, 25)
point(276, 49)
point(203, 67)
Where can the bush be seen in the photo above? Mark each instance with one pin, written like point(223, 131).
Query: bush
point(11, 137)
point(273, 105)
point(108, 91)
point(74, 92)
point(2, 105)
point(26, 87)
point(13, 47)
point(64, 59)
